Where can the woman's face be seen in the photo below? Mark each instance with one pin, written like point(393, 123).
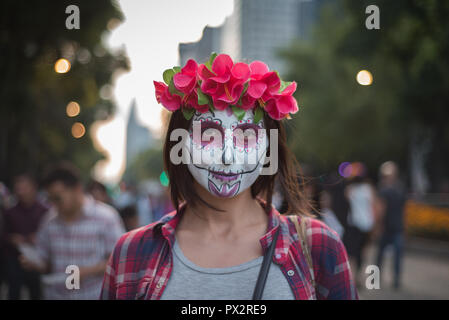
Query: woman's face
point(227, 154)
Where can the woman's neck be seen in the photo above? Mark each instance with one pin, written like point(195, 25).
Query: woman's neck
point(239, 213)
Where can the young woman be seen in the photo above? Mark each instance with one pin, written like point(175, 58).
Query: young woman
point(225, 147)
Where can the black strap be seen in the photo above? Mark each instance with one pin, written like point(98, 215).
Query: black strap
point(263, 273)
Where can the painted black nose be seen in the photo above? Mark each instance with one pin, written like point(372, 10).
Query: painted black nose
point(227, 157)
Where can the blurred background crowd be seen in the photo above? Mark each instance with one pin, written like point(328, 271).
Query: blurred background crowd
point(81, 132)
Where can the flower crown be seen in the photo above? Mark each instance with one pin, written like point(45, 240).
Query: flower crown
point(220, 83)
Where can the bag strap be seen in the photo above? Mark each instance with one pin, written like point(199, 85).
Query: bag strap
point(266, 263)
point(302, 237)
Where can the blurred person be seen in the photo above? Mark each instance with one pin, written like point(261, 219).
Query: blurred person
point(98, 191)
point(144, 212)
point(156, 206)
point(393, 196)
point(443, 191)
point(6, 199)
point(126, 196)
point(143, 203)
point(328, 216)
point(3, 194)
point(160, 203)
point(336, 185)
point(80, 231)
point(20, 226)
point(213, 244)
point(130, 217)
point(361, 197)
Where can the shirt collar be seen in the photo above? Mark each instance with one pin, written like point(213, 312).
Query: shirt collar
point(275, 220)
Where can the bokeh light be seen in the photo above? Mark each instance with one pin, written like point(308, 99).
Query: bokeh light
point(364, 77)
point(357, 169)
point(62, 66)
point(342, 169)
point(73, 109)
point(351, 169)
point(78, 130)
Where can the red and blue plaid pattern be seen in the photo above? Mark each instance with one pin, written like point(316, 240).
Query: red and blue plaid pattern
point(141, 262)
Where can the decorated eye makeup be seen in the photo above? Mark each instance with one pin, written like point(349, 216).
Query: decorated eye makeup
point(246, 135)
point(212, 134)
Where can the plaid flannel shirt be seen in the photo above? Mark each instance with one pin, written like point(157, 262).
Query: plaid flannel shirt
point(142, 261)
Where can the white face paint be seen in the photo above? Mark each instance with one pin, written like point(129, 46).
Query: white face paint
point(227, 154)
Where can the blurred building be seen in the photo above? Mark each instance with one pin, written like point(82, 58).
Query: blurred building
point(201, 50)
point(138, 137)
point(256, 30)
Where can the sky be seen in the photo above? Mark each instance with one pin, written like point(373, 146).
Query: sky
point(150, 34)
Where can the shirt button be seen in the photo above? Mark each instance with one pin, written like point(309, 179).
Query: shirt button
point(290, 273)
point(278, 256)
point(159, 285)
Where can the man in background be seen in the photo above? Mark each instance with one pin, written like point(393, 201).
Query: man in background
point(393, 197)
point(81, 232)
point(20, 225)
point(98, 191)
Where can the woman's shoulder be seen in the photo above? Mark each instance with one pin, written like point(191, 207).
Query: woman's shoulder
point(145, 235)
point(323, 241)
point(315, 228)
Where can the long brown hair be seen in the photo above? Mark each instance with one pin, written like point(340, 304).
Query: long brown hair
point(289, 172)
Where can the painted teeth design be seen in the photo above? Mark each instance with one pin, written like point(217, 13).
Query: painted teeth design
point(225, 190)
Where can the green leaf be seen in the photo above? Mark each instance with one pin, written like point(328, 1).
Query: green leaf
point(258, 114)
point(177, 69)
point(172, 89)
point(188, 113)
point(168, 75)
point(208, 64)
point(245, 88)
point(239, 112)
point(284, 84)
point(202, 98)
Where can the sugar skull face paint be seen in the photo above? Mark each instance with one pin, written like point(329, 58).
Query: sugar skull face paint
point(227, 154)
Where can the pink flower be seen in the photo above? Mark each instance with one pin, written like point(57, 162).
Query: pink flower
point(185, 80)
point(164, 97)
point(225, 82)
point(281, 104)
point(191, 101)
point(262, 86)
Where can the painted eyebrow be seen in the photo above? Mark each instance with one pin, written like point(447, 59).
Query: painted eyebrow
point(247, 126)
point(206, 125)
point(211, 124)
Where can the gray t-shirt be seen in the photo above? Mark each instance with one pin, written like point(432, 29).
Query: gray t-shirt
point(191, 282)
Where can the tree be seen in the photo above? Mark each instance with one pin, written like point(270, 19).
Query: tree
point(405, 106)
point(34, 127)
point(147, 165)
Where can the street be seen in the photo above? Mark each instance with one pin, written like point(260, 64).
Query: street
point(425, 273)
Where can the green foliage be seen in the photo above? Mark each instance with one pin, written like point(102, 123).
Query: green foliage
point(168, 75)
point(147, 165)
point(208, 64)
point(258, 114)
point(341, 120)
point(188, 113)
point(34, 128)
point(202, 98)
point(238, 112)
